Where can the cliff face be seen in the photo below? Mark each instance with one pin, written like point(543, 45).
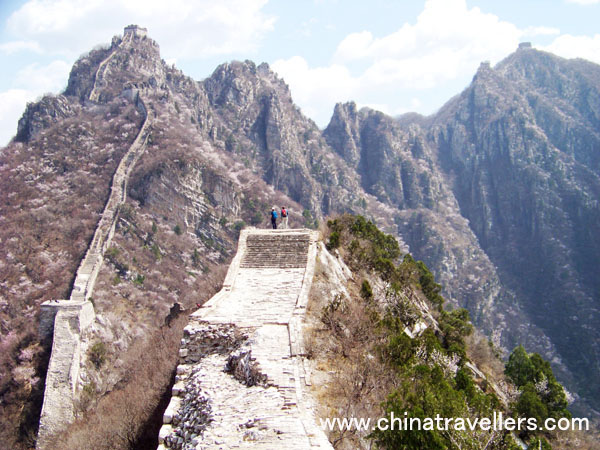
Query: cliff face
point(398, 166)
point(498, 192)
point(521, 147)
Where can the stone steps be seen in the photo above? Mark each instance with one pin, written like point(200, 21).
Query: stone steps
point(277, 251)
point(263, 299)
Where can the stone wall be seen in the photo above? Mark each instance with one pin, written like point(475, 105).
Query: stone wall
point(242, 378)
point(64, 321)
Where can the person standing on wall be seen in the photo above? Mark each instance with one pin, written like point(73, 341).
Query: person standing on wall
point(274, 218)
point(284, 217)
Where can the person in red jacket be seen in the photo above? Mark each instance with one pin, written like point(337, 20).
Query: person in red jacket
point(284, 217)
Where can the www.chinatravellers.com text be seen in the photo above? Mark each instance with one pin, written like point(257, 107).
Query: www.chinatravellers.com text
point(438, 423)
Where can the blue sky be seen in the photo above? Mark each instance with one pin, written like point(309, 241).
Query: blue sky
point(395, 56)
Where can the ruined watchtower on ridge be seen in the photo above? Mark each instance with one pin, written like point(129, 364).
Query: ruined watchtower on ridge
point(136, 31)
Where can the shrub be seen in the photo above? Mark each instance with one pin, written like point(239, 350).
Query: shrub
point(542, 396)
point(156, 251)
point(97, 354)
point(366, 291)
point(177, 230)
point(334, 240)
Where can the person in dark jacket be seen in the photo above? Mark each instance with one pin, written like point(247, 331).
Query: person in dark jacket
point(274, 218)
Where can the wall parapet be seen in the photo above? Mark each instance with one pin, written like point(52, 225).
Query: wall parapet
point(242, 375)
point(65, 320)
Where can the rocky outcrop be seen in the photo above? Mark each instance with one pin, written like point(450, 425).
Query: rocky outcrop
point(343, 133)
point(398, 165)
point(43, 114)
point(257, 119)
point(520, 146)
point(498, 194)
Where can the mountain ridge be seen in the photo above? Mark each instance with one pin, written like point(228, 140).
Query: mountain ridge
point(497, 192)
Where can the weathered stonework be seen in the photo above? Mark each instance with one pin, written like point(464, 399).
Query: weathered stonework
point(65, 320)
point(242, 354)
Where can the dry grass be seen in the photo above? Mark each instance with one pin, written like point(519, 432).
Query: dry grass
point(349, 381)
point(51, 191)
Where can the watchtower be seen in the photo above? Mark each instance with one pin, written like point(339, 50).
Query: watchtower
point(136, 31)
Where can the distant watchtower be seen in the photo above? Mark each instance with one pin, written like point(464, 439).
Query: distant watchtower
point(524, 45)
point(136, 31)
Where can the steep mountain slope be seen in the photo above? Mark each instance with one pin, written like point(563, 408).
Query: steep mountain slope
point(498, 193)
point(521, 146)
point(399, 167)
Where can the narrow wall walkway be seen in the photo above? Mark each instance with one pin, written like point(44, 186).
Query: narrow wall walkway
point(63, 321)
point(254, 324)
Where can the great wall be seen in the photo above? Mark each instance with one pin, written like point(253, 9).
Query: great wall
point(255, 320)
point(252, 328)
point(242, 379)
point(62, 322)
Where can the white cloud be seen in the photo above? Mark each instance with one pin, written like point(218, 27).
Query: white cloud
point(568, 46)
point(9, 48)
point(448, 41)
point(444, 26)
point(49, 78)
point(184, 29)
point(316, 89)
point(406, 69)
point(12, 104)
point(540, 31)
point(31, 82)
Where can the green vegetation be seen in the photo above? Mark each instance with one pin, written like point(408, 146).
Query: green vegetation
point(541, 395)
point(430, 370)
point(156, 251)
point(255, 210)
point(309, 220)
point(113, 256)
point(366, 292)
point(195, 258)
point(97, 354)
point(177, 230)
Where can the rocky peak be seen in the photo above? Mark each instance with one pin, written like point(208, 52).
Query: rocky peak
point(343, 132)
point(133, 59)
point(564, 97)
point(242, 83)
point(41, 115)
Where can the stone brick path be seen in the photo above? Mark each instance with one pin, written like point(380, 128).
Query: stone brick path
point(259, 310)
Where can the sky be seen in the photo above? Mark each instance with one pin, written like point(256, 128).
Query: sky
point(395, 56)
